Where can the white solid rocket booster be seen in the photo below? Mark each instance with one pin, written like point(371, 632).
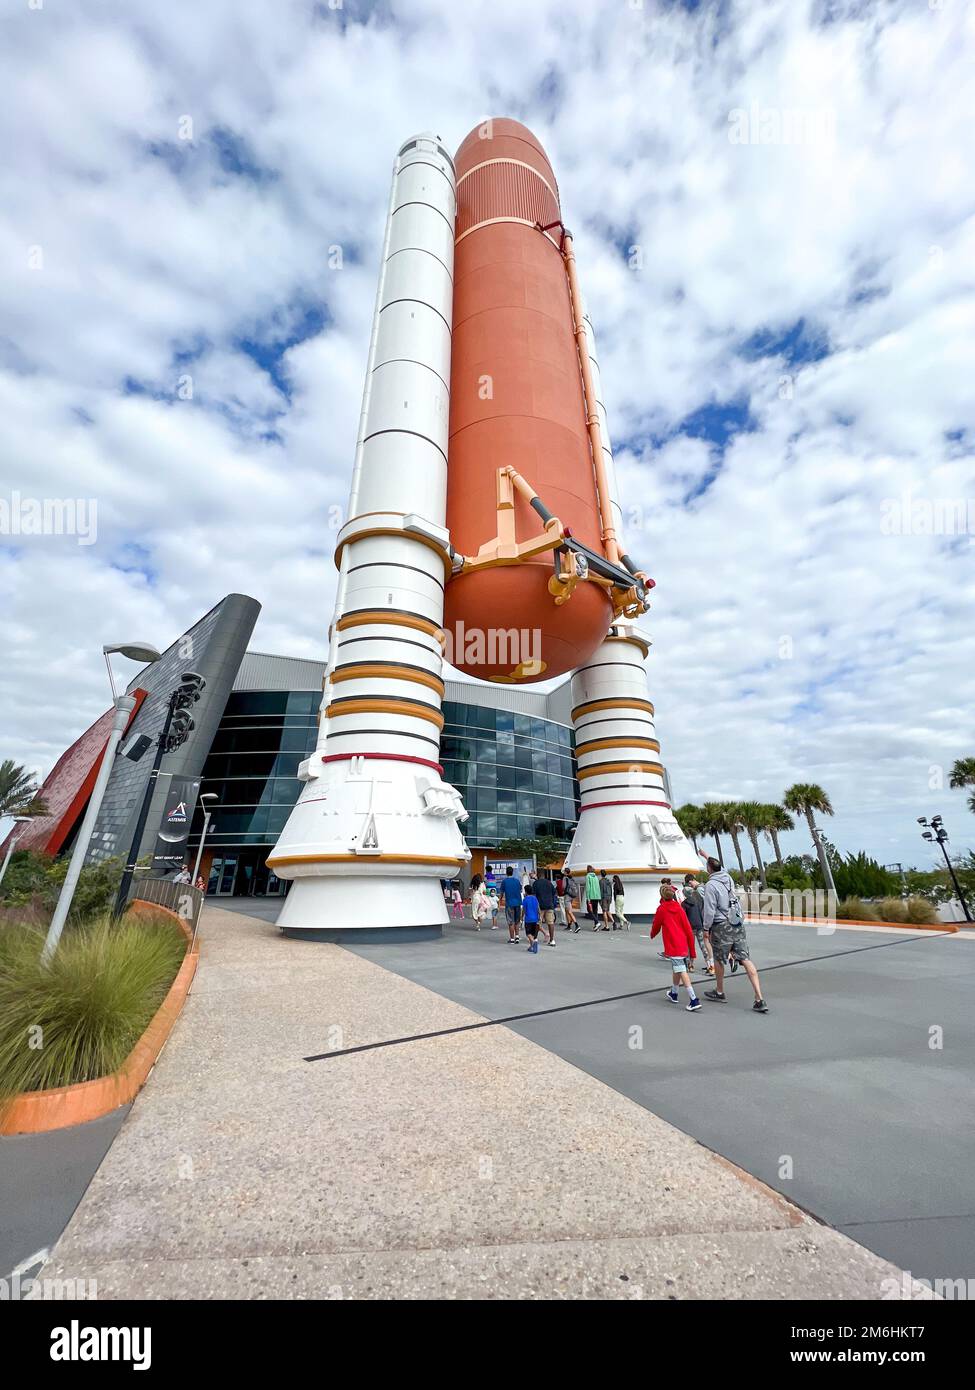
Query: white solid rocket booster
point(376, 827)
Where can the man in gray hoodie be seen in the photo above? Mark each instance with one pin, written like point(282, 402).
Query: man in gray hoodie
point(723, 918)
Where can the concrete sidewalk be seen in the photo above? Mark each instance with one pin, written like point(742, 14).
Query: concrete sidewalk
point(472, 1165)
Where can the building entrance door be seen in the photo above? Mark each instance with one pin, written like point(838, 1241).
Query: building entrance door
point(223, 875)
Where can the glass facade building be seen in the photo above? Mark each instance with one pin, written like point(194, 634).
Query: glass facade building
point(252, 768)
point(516, 773)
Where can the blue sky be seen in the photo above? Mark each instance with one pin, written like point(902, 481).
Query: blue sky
point(775, 228)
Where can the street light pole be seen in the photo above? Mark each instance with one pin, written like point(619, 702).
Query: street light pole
point(824, 860)
point(122, 897)
point(940, 835)
point(124, 706)
point(14, 837)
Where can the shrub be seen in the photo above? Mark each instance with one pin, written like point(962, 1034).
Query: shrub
point(856, 910)
point(892, 910)
point(790, 873)
point(860, 876)
point(920, 910)
point(34, 881)
point(78, 1018)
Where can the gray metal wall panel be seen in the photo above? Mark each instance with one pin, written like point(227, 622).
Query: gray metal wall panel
point(214, 647)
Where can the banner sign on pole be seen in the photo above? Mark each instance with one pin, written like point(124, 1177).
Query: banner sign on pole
point(169, 856)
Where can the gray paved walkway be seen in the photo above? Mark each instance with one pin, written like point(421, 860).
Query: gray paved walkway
point(476, 1164)
point(839, 1078)
point(42, 1179)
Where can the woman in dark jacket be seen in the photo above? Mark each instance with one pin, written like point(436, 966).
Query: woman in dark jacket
point(694, 907)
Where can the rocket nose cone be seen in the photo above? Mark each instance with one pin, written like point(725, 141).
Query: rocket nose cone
point(499, 137)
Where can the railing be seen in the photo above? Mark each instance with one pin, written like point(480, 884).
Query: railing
point(181, 898)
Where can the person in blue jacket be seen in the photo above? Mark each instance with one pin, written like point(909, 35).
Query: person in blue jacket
point(511, 897)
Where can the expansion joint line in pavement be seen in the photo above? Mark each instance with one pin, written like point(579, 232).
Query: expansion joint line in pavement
point(606, 999)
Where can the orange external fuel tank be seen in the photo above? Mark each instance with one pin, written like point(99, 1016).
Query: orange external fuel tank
point(516, 399)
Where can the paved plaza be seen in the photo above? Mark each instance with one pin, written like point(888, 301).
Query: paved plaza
point(843, 1077)
point(546, 1156)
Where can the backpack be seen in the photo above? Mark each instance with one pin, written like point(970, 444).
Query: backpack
point(735, 915)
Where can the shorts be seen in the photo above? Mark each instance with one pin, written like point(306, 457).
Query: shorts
point(725, 938)
point(678, 964)
point(548, 917)
point(513, 915)
point(531, 929)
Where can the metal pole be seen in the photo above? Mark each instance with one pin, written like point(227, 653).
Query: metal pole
point(824, 861)
point(199, 852)
point(123, 888)
point(10, 849)
point(124, 706)
point(961, 895)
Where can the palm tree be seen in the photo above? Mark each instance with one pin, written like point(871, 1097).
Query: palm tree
point(734, 826)
point(963, 775)
point(754, 816)
point(778, 820)
point(689, 819)
point(714, 821)
point(804, 798)
point(18, 791)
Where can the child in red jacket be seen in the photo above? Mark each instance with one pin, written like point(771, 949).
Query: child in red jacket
point(671, 919)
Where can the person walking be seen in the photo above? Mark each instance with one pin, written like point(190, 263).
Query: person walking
point(570, 897)
point(511, 897)
point(606, 899)
point(530, 909)
point(544, 890)
point(723, 918)
point(670, 921)
point(594, 896)
point(495, 907)
point(560, 917)
point(693, 905)
point(480, 902)
point(619, 915)
point(457, 900)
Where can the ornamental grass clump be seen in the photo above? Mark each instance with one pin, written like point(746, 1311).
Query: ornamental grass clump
point(78, 1018)
point(920, 911)
point(856, 910)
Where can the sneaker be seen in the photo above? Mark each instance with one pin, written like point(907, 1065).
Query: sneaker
point(673, 996)
point(713, 994)
point(576, 930)
point(551, 943)
point(760, 1007)
point(694, 1005)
